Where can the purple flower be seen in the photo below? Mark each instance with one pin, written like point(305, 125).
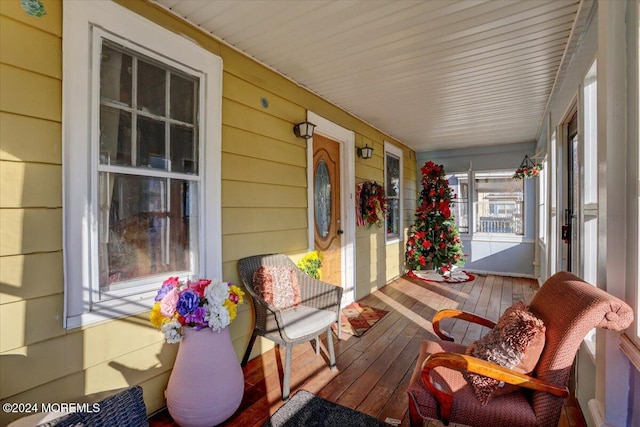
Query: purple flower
point(188, 302)
point(197, 318)
point(163, 291)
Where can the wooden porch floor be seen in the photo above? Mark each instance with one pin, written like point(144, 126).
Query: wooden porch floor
point(374, 370)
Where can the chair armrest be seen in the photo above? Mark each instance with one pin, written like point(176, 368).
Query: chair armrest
point(464, 363)
point(457, 314)
point(317, 294)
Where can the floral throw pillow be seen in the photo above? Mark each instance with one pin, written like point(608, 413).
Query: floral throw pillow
point(278, 286)
point(516, 342)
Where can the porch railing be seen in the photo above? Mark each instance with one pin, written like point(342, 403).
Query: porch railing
point(504, 217)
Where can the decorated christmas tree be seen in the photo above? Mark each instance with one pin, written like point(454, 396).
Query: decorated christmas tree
point(433, 241)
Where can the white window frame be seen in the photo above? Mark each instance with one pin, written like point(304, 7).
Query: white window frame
point(396, 152)
point(589, 178)
point(542, 202)
point(489, 236)
point(80, 125)
point(469, 204)
point(552, 226)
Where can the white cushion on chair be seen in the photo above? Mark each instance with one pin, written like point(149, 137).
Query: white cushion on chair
point(303, 320)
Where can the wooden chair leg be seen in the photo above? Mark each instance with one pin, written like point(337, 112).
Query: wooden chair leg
point(287, 372)
point(247, 353)
point(332, 355)
point(318, 345)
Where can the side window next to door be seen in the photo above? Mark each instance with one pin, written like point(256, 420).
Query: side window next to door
point(393, 191)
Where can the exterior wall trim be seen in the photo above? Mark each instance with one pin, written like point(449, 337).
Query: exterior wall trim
point(346, 138)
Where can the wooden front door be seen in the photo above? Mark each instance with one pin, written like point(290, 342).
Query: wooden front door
point(326, 203)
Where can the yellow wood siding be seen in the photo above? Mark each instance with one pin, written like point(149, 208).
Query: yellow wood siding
point(243, 221)
point(41, 52)
point(23, 92)
point(29, 139)
point(27, 231)
point(30, 185)
point(51, 23)
point(30, 276)
point(41, 319)
point(264, 209)
point(248, 144)
point(256, 195)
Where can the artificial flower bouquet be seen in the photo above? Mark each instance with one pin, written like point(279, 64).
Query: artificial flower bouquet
point(527, 169)
point(528, 172)
point(311, 264)
point(194, 304)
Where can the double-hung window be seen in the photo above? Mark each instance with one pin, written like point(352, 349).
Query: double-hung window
point(499, 203)
point(148, 171)
point(142, 161)
point(393, 191)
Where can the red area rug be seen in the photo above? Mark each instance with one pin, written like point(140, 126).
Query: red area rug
point(356, 318)
point(435, 278)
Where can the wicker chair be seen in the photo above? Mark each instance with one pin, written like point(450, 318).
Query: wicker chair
point(125, 408)
point(319, 309)
point(569, 308)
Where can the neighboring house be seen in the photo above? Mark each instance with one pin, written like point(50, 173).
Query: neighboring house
point(93, 210)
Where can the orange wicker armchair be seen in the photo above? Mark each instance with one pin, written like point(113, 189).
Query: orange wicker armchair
point(569, 308)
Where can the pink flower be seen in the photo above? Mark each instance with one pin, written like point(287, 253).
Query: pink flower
point(173, 281)
point(168, 303)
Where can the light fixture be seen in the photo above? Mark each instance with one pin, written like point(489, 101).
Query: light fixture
point(365, 152)
point(304, 130)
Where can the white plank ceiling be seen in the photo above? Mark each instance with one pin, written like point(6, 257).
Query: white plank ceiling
point(434, 74)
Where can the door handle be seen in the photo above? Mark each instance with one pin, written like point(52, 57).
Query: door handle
point(340, 231)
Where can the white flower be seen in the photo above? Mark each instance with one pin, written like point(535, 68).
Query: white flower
point(216, 293)
point(218, 317)
point(171, 331)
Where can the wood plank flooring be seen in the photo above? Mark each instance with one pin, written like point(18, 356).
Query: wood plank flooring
point(374, 370)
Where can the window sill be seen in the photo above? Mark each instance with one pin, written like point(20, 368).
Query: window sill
point(393, 241)
point(112, 310)
point(631, 350)
point(483, 237)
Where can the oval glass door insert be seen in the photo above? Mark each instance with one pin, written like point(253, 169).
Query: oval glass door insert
point(322, 202)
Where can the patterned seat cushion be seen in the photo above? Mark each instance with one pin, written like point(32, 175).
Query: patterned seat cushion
point(277, 286)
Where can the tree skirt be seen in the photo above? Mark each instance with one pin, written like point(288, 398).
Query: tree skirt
point(356, 318)
point(456, 276)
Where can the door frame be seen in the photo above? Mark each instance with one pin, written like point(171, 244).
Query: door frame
point(346, 140)
point(562, 170)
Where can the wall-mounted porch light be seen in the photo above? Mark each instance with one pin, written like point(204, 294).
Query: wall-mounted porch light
point(365, 152)
point(304, 130)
